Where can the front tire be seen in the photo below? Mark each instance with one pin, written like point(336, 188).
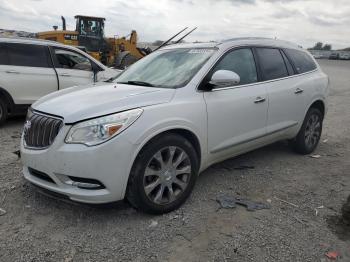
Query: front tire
point(310, 132)
point(163, 175)
point(3, 112)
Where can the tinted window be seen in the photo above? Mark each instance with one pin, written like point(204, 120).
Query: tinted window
point(240, 61)
point(3, 55)
point(302, 61)
point(71, 60)
point(28, 55)
point(271, 63)
point(288, 64)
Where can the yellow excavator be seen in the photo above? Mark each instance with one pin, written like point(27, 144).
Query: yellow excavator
point(89, 36)
point(117, 52)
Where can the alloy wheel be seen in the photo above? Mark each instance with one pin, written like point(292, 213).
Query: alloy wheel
point(313, 130)
point(167, 175)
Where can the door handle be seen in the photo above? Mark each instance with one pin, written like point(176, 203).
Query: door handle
point(259, 100)
point(12, 72)
point(298, 91)
point(65, 74)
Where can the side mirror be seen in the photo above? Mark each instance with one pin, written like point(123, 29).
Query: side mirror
point(222, 78)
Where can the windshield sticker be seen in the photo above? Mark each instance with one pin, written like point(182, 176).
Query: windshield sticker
point(200, 51)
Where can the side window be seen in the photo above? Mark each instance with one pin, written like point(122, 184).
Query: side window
point(71, 60)
point(28, 55)
point(271, 63)
point(240, 61)
point(302, 61)
point(288, 64)
point(3, 55)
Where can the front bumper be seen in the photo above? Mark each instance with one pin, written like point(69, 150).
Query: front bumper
point(109, 163)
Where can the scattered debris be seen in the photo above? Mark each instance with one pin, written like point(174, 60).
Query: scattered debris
point(154, 223)
point(325, 141)
point(232, 202)
point(269, 200)
point(286, 202)
point(2, 212)
point(243, 167)
point(300, 221)
point(317, 208)
point(315, 156)
point(333, 255)
point(17, 153)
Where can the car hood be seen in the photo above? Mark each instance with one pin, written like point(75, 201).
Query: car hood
point(83, 102)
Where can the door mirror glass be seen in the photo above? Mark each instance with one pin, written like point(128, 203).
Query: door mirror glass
point(222, 78)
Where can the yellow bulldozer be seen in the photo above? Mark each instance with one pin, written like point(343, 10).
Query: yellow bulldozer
point(119, 52)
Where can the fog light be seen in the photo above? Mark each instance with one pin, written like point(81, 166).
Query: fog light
point(85, 183)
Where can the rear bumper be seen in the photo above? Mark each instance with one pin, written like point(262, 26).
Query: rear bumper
point(108, 163)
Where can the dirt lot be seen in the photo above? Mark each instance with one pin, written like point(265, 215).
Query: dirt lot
point(39, 228)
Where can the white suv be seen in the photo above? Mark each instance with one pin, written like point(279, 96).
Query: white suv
point(149, 133)
point(31, 68)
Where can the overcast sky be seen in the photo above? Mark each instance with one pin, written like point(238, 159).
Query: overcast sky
point(302, 21)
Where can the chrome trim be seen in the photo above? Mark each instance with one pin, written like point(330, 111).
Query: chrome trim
point(46, 118)
point(251, 84)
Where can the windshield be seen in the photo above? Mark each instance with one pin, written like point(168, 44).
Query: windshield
point(166, 68)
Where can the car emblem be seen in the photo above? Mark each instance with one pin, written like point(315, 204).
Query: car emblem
point(27, 126)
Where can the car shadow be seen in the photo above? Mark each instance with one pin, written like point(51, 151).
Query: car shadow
point(123, 207)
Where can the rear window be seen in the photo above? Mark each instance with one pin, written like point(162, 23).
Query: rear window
point(271, 63)
point(28, 55)
point(302, 61)
point(3, 55)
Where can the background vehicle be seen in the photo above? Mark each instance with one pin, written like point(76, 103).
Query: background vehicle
point(345, 56)
point(334, 56)
point(89, 33)
point(30, 69)
point(175, 112)
point(118, 52)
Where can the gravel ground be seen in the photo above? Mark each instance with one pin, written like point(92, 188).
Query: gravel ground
point(36, 227)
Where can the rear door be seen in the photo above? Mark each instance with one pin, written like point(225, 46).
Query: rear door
point(286, 103)
point(72, 67)
point(27, 72)
point(236, 114)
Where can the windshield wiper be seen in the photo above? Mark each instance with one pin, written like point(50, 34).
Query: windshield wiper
point(137, 83)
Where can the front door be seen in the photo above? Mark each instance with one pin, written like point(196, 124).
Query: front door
point(236, 114)
point(72, 68)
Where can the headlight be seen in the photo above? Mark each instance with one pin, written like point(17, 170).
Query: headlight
point(99, 130)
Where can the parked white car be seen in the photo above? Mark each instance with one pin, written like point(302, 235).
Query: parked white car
point(148, 134)
point(32, 68)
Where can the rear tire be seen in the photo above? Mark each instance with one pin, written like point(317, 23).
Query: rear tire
point(3, 112)
point(310, 132)
point(163, 175)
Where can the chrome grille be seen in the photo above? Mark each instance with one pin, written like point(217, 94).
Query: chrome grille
point(40, 130)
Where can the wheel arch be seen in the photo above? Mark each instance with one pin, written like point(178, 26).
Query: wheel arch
point(4, 95)
point(189, 135)
point(320, 105)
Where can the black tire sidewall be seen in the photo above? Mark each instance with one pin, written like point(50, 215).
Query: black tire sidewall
point(300, 143)
point(136, 188)
point(3, 109)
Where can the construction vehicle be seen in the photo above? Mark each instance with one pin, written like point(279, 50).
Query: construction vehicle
point(89, 35)
point(117, 52)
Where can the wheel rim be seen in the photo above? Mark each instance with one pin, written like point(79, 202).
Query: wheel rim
point(167, 175)
point(313, 130)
